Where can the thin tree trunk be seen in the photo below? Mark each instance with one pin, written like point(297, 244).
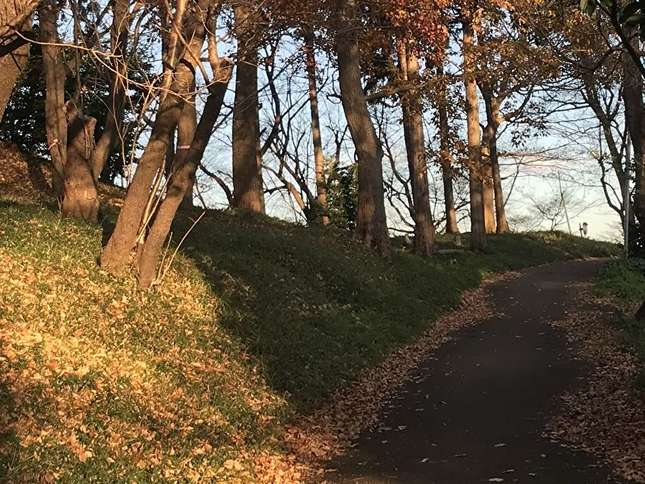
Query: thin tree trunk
point(110, 139)
point(447, 172)
point(117, 252)
point(492, 120)
point(371, 224)
point(500, 202)
point(319, 157)
point(248, 191)
point(182, 180)
point(424, 231)
point(478, 228)
point(487, 180)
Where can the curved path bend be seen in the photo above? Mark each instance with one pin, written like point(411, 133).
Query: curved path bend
point(476, 410)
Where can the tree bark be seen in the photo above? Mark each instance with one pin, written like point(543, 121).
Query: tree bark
point(371, 225)
point(110, 139)
point(487, 180)
point(186, 128)
point(54, 71)
point(424, 231)
point(70, 134)
point(248, 191)
point(14, 16)
point(478, 228)
point(80, 194)
point(493, 117)
point(446, 160)
point(634, 114)
point(182, 180)
point(117, 252)
point(319, 156)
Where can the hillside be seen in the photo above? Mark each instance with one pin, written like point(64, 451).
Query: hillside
point(257, 322)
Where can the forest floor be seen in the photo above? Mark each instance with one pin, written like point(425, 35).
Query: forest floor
point(265, 351)
point(538, 391)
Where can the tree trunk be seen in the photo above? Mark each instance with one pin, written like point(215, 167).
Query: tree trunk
point(117, 252)
point(634, 113)
point(185, 133)
point(487, 180)
point(493, 118)
point(54, 71)
point(248, 190)
point(182, 180)
point(478, 228)
point(371, 225)
point(446, 160)
point(80, 195)
point(14, 16)
point(424, 231)
point(319, 156)
point(110, 139)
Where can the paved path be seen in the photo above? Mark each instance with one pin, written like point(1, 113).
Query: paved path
point(476, 410)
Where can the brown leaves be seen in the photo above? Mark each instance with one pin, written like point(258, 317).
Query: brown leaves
point(604, 416)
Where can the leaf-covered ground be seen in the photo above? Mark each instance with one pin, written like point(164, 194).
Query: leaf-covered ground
point(258, 323)
point(605, 414)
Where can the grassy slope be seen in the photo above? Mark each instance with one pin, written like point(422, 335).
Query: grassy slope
point(258, 320)
point(624, 281)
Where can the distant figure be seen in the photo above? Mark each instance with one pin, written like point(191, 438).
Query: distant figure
point(584, 229)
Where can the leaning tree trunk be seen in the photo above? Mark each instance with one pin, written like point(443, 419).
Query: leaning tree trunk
point(487, 180)
point(447, 171)
point(80, 194)
point(424, 231)
point(110, 139)
point(117, 252)
point(478, 228)
point(15, 16)
point(182, 180)
point(248, 189)
point(319, 157)
point(371, 224)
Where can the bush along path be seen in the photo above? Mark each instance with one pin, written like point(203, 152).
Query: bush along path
point(478, 409)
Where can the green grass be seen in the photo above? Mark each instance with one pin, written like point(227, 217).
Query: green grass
point(258, 322)
point(624, 280)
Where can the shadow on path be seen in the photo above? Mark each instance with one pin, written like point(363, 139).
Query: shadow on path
point(475, 412)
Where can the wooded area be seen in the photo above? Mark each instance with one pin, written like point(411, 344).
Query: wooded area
point(142, 88)
point(393, 132)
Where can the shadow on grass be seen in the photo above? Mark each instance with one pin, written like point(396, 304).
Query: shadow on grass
point(314, 308)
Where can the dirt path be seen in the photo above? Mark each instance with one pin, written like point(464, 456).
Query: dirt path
point(475, 412)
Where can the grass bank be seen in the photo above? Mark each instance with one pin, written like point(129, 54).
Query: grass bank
point(257, 322)
point(624, 281)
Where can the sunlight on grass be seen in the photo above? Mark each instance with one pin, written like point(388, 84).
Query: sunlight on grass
point(258, 320)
